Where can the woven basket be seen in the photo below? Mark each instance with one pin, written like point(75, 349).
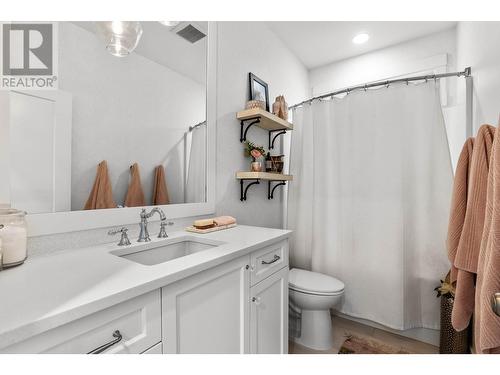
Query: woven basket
point(451, 341)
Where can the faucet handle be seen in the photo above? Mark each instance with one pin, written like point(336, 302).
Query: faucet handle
point(124, 241)
point(163, 232)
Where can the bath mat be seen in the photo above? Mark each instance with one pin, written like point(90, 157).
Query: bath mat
point(362, 345)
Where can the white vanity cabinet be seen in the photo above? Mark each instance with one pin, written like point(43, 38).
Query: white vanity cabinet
point(208, 312)
point(269, 315)
point(237, 307)
point(137, 321)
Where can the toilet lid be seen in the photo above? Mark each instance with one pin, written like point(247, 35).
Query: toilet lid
point(313, 282)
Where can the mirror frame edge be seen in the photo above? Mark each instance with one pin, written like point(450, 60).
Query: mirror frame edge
point(72, 221)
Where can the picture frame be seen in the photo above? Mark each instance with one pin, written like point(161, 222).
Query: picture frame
point(258, 89)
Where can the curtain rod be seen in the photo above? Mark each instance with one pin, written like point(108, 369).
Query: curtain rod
point(465, 73)
point(191, 128)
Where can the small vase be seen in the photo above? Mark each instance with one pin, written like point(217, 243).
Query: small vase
point(284, 109)
point(256, 166)
point(280, 108)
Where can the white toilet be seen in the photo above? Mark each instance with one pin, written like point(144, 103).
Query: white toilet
point(314, 294)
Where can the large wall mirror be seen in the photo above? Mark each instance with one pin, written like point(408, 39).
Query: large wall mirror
point(126, 128)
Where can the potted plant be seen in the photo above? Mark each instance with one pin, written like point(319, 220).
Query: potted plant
point(255, 152)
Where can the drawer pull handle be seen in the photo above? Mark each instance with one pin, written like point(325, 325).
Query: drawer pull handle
point(100, 349)
point(275, 259)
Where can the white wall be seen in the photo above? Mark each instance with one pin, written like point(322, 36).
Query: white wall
point(250, 47)
point(406, 58)
point(478, 47)
point(125, 110)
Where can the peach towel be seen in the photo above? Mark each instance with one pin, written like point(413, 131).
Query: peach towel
point(135, 195)
point(160, 192)
point(467, 253)
point(458, 204)
point(101, 195)
point(486, 323)
point(224, 220)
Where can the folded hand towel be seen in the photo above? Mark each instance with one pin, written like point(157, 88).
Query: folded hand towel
point(101, 195)
point(224, 220)
point(467, 253)
point(486, 322)
point(160, 192)
point(135, 195)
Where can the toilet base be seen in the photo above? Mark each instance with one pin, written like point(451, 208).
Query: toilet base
point(316, 330)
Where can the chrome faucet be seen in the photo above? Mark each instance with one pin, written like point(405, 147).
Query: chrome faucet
point(144, 234)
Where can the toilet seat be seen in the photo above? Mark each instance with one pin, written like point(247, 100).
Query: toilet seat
point(314, 283)
point(313, 293)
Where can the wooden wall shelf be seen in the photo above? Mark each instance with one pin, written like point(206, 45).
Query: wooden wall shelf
point(263, 176)
point(264, 120)
point(281, 180)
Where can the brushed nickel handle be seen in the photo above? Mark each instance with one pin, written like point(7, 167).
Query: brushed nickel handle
point(495, 303)
point(102, 348)
point(124, 241)
point(275, 259)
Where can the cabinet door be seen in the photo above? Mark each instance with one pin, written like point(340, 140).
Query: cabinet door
point(269, 314)
point(208, 312)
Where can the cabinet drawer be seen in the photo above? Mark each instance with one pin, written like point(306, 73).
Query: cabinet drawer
point(266, 261)
point(138, 321)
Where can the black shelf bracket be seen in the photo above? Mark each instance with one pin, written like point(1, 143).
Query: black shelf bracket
point(243, 131)
point(279, 132)
point(243, 190)
point(270, 192)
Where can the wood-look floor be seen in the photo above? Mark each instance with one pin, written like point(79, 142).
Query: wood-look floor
point(344, 327)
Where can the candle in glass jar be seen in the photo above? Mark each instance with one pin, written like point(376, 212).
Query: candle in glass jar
point(13, 241)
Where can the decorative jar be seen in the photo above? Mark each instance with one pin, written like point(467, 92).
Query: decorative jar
point(13, 237)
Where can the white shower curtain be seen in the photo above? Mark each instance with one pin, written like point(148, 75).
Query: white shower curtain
point(196, 173)
point(370, 198)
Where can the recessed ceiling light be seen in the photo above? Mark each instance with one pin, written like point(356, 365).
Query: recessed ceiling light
point(361, 38)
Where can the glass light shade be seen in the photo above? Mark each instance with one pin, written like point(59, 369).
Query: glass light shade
point(169, 23)
point(120, 37)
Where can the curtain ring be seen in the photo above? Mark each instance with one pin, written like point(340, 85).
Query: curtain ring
point(387, 84)
point(365, 88)
point(348, 91)
point(407, 82)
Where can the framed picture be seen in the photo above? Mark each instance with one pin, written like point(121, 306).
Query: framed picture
point(258, 89)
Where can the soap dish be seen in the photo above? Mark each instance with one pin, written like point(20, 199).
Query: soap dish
point(209, 230)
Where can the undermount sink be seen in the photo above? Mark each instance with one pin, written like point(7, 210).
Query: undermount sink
point(163, 251)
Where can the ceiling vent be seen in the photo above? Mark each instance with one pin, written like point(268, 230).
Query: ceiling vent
point(191, 33)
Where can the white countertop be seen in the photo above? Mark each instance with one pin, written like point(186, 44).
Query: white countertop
point(47, 292)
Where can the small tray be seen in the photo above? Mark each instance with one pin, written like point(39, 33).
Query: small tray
point(209, 230)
